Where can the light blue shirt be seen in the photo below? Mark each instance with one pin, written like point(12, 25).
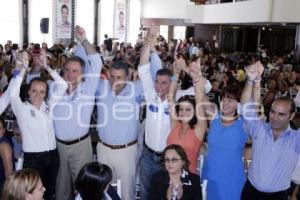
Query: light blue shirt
point(273, 162)
point(72, 114)
point(118, 115)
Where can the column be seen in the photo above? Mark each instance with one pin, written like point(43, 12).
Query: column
point(297, 44)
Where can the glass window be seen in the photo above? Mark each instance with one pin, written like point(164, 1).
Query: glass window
point(179, 32)
point(163, 30)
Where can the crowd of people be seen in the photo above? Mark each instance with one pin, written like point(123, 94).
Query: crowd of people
point(158, 105)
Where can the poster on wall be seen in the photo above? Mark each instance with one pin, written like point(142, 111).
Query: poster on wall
point(64, 21)
point(120, 20)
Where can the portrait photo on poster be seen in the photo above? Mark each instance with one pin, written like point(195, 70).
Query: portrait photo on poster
point(64, 21)
point(120, 19)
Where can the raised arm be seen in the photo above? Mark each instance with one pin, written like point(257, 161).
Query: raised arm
point(144, 70)
point(257, 87)
point(199, 86)
point(251, 94)
point(80, 35)
point(252, 87)
point(58, 87)
point(20, 70)
point(210, 108)
point(177, 67)
point(93, 62)
point(155, 64)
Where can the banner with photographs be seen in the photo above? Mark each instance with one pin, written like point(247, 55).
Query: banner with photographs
point(64, 21)
point(120, 20)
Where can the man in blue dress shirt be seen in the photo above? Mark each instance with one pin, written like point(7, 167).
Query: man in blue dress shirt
point(118, 106)
point(73, 113)
point(275, 146)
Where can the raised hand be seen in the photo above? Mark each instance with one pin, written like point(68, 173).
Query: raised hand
point(255, 71)
point(79, 33)
point(260, 68)
point(252, 72)
point(179, 65)
point(43, 60)
point(23, 60)
point(145, 53)
point(194, 70)
point(153, 35)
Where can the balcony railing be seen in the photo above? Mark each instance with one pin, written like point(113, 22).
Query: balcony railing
point(206, 2)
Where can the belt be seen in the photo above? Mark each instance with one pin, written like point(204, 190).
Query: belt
point(40, 153)
point(264, 194)
point(157, 153)
point(118, 146)
point(73, 141)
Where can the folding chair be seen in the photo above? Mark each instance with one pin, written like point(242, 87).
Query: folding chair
point(204, 189)
point(117, 186)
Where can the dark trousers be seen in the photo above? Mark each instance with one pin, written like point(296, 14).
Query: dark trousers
point(46, 163)
point(251, 193)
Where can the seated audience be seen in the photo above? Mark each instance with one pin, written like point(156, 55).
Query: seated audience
point(93, 182)
point(25, 184)
point(175, 181)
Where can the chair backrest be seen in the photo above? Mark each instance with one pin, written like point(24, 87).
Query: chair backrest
point(19, 163)
point(204, 192)
point(117, 186)
point(201, 160)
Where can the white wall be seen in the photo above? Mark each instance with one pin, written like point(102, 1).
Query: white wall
point(239, 12)
point(106, 18)
point(134, 20)
point(164, 8)
point(286, 11)
point(10, 22)
point(84, 16)
point(251, 11)
point(38, 10)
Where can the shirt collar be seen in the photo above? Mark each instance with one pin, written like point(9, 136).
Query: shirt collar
point(185, 178)
point(74, 93)
point(43, 106)
point(284, 133)
point(125, 91)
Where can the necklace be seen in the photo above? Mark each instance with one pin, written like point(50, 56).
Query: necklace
point(224, 121)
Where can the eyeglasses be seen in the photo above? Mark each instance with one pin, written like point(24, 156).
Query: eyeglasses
point(172, 160)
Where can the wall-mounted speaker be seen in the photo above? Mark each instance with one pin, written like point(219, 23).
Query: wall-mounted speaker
point(44, 25)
